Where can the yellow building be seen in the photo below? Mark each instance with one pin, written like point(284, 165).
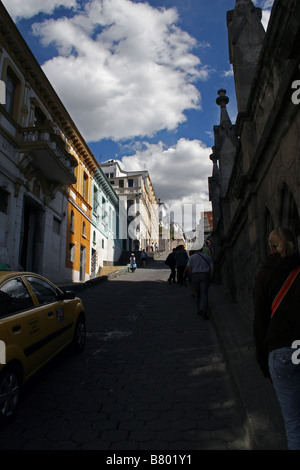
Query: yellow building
point(79, 213)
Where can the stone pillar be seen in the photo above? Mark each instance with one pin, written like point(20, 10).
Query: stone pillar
point(245, 35)
point(225, 142)
point(214, 189)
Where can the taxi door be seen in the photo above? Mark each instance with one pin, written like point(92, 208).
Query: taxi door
point(57, 315)
point(21, 326)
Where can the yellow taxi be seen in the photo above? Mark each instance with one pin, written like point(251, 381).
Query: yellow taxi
point(37, 320)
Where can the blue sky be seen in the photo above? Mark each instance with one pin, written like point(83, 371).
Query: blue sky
point(140, 80)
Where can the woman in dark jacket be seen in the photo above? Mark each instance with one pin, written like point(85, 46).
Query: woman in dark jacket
point(275, 335)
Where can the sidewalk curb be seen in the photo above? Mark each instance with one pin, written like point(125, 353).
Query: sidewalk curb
point(78, 287)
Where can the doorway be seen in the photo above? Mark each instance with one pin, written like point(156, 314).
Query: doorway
point(32, 236)
point(82, 263)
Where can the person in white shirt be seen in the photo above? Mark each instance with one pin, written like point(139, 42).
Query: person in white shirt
point(200, 267)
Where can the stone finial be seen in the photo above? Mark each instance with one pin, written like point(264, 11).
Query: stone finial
point(222, 101)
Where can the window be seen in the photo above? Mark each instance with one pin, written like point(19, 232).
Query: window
point(39, 117)
point(56, 226)
point(130, 183)
point(130, 203)
point(83, 228)
point(15, 296)
point(44, 292)
point(95, 199)
point(11, 85)
point(85, 186)
point(72, 221)
point(4, 201)
point(102, 242)
point(94, 236)
point(121, 183)
point(72, 252)
point(3, 308)
point(110, 217)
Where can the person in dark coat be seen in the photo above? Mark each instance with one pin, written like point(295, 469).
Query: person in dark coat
point(181, 261)
point(171, 262)
point(277, 336)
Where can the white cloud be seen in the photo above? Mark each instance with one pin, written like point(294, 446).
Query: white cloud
point(179, 173)
point(20, 9)
point(123, 69)
point(228, 73)
point(266, 6)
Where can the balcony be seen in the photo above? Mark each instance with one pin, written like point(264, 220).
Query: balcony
point(45, 150)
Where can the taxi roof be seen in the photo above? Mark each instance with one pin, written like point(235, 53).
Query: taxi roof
point(9, 274)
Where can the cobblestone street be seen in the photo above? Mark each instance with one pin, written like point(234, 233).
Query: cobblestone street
point(151, 377)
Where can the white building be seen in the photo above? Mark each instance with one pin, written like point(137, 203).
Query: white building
point(106, 247)
point(137, 195)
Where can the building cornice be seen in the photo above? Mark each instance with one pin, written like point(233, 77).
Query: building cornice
point(12, 40)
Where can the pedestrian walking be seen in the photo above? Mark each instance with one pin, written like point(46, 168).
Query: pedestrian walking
point(200, 266)
point(132, 263)
point(181, 262)
point(187, 276)
point(144, 257)
point(171, 262)
point(277, 325)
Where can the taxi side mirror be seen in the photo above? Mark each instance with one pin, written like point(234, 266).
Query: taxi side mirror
point(68, 294)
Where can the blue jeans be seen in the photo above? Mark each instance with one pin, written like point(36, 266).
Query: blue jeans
point(201, 284)
point(286, 381)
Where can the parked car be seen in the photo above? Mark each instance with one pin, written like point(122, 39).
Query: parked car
point(37, 320)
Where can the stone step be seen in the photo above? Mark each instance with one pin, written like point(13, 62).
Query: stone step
point(106, 270)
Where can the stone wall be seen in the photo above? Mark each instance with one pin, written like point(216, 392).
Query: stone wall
point(260, 152)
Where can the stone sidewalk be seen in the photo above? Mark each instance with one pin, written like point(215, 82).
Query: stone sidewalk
point(255, 394)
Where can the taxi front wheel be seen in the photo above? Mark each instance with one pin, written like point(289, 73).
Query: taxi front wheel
point(10, 388)
point(80, 334)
